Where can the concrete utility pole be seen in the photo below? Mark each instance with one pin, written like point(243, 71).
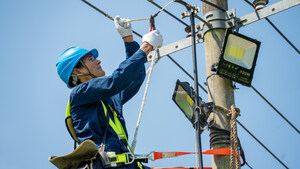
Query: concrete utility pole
point(221, 88)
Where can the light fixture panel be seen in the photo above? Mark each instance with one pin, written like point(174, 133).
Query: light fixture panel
point(240, 51)
point(185, 102)
point(184, 98)
point(238, 58)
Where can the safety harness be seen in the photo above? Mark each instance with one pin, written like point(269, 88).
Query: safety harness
point(110, 159)
point(87, 150)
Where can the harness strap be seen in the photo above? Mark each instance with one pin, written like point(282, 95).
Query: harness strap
point(163, 155)
point(124, 158)
point(116, 125)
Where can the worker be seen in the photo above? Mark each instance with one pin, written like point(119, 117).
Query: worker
point(94, 93)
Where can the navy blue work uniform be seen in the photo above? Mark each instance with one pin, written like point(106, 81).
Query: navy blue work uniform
point(87, 113)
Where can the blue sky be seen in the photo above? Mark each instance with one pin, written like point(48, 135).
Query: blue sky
point(33, 98)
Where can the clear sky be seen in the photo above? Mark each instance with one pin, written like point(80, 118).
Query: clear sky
point(33, 99)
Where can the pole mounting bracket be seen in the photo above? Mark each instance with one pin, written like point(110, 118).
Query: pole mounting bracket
point(217, 19)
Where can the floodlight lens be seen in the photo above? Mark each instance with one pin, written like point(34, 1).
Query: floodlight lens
point(185, 102)
point(236, 52)
point(240, 51)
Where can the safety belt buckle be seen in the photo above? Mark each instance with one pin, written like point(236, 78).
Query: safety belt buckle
point(141, 158)
point(130, 158)
point(125, 158)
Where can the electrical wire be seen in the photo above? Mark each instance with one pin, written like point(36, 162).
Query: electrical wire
point(274, 108)
point(257, 90)
point(198, 84)
point(153, 15)
point(163, 8)
point(106, 15)
point(268, 20)
point(186, 72)
point(211, 96)
point(158, 6)
point(103, 13)
point(132, 20)
point(261, 144)
point(283, 36)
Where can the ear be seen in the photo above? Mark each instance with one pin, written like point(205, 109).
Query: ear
point(77, 71)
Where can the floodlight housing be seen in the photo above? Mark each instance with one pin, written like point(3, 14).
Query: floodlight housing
point(238, 58)
point(184, 97)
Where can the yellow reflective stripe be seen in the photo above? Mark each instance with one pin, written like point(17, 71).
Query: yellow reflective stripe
point(69, 123)
point(104, 107)
point(68, 111)
point(111, 123)
point(129, 147)
point(117, 125)
point(120, 158)
point(140, 165)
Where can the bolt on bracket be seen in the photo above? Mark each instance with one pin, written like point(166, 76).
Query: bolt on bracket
point(194, 9)
point(217, 19)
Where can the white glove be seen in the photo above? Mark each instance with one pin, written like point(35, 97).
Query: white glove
point(123, 29)
point(154, 39)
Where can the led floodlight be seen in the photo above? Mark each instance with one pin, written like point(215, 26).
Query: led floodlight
point(238, 58)
point(184, 97)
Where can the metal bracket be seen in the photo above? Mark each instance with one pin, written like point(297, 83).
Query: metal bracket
point(217, 19)
point(194, 10)
point(207, 107)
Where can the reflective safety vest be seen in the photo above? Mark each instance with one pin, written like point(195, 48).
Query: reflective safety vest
point(116, 125)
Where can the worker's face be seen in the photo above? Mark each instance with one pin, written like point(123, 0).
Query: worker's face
point(93, 65)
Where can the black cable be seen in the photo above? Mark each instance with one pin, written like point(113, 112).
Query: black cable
point(213, 5)
point(249, 3)
point(106, 15)
point(155, 4)
point(103, 13)
point(186, 72)
point(224, 136)
point(257, 90)
point(284, 37)
point(206, 92)
point(274, 108)
point(261, 144)
point(248, 165)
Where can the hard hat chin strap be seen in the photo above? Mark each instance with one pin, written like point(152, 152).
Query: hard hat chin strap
point(75, 76)
point(89, 74)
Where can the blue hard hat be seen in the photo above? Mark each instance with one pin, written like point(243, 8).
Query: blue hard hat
point(68, 61)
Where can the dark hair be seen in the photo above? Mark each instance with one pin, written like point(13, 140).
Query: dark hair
point(74, 80)
point(79, 65)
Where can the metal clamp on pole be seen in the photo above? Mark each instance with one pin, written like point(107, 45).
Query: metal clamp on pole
point(217, 19)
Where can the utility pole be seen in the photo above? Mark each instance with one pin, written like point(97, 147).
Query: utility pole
point(221, 88)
